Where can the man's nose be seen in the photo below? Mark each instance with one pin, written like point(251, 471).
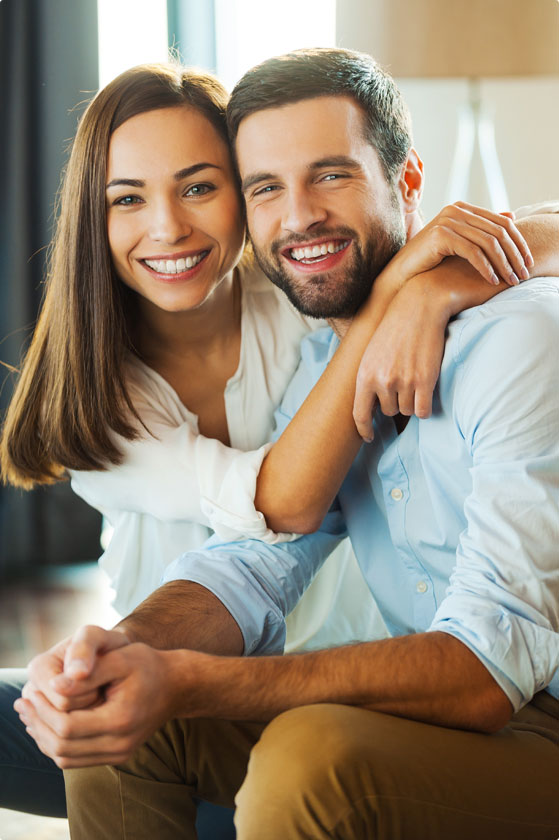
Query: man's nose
point(302, 211)
point(169, 223)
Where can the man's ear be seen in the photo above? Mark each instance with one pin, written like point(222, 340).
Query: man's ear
point(411, 182)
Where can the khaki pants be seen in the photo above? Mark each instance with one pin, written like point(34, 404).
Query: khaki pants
point(336, 771)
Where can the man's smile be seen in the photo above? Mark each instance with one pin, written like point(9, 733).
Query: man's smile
point(325, 253)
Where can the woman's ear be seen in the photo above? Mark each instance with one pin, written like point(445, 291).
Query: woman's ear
point(411, 182)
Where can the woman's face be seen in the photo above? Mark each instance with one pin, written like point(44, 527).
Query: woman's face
point(174, 216)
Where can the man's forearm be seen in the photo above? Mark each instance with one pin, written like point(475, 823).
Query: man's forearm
point(431, 677)
point(182, 614)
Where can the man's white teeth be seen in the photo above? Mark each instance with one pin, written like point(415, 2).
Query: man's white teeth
point(174, 266)
point(310, 253)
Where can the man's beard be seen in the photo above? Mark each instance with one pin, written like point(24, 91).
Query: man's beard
point(320, 296)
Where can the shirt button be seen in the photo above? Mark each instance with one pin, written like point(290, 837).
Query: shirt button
point(397, 494)
point(421, 587)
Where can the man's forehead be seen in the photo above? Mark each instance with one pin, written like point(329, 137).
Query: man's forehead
point(302, 131)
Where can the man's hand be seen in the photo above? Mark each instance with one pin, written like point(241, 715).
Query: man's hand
point(134, 687)
point(59, 673)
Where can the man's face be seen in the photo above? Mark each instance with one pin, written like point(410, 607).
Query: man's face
point(322, 217)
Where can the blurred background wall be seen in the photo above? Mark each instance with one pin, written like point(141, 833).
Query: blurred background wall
point(55, 53)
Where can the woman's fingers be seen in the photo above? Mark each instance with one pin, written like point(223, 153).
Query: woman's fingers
point(488, 249)
point(508, 224)
point(364, 406)
point(501, 239)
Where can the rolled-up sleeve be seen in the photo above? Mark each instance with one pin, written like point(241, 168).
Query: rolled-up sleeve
point(259, 584)
point(503, 597)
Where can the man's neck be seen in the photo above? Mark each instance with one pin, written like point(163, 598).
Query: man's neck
point(340, 325)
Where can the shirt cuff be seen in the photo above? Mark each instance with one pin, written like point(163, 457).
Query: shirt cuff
point(261, 623)
point(227, 492)
point(520, 655)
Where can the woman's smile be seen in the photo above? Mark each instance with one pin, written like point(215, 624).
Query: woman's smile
point(174, 268)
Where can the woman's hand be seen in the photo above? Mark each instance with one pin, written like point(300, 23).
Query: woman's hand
point(490, 242)
point(401, 364)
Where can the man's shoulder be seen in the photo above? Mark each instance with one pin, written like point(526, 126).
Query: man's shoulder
point(516, 316)
point(500, 367)
point(316, 351)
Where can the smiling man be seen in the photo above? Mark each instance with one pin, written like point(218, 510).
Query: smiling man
point(450, 729)
point(322, 224)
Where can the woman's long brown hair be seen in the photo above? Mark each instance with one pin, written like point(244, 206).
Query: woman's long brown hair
point(71, 395)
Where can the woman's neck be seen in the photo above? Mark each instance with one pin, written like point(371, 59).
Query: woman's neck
point(200, 332)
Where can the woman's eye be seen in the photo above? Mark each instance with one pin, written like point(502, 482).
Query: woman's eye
point(200, 189)
point(127, 200)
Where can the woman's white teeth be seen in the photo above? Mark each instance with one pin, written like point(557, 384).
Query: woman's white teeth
point(310, 253)
point(174, 266)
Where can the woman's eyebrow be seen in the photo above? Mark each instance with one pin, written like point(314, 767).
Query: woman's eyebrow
point(178, 176)
point(192, 170)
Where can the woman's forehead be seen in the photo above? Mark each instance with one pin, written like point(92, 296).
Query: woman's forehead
point(166, 139)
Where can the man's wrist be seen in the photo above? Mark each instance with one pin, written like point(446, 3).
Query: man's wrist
point(124, 627)
point(190, 683)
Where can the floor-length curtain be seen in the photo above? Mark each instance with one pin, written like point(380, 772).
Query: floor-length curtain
point(48, 64)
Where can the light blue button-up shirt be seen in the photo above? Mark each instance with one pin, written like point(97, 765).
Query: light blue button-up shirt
point(455, 521)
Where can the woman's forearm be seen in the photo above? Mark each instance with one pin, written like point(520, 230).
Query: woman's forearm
point(302, 473)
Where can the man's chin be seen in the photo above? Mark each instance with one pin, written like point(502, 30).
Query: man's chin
point(320, 298)
point(332, 294)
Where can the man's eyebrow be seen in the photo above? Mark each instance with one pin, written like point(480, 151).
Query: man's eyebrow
point(178, 176)
point(323, 163)
point(335, 160)
point(256, 178)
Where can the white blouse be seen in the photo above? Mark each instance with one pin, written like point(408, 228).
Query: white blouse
point(175, 486)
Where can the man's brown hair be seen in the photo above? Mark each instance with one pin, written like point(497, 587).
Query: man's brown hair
point(306, 74)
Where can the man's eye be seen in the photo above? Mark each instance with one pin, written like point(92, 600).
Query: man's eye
point(265, 190)
point(127, 200)
point(332, 176)
point(200, 189)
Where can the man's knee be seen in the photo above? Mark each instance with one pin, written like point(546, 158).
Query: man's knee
point(305, 774)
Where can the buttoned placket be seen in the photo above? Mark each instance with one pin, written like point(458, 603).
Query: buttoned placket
point(397, 494)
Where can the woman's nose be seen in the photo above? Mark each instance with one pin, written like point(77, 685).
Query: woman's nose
point(170, 223)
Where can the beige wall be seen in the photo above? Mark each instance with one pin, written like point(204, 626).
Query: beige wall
point(526, 114)
point(525, 109)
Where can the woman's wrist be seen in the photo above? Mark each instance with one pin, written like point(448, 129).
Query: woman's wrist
point(454, 286)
